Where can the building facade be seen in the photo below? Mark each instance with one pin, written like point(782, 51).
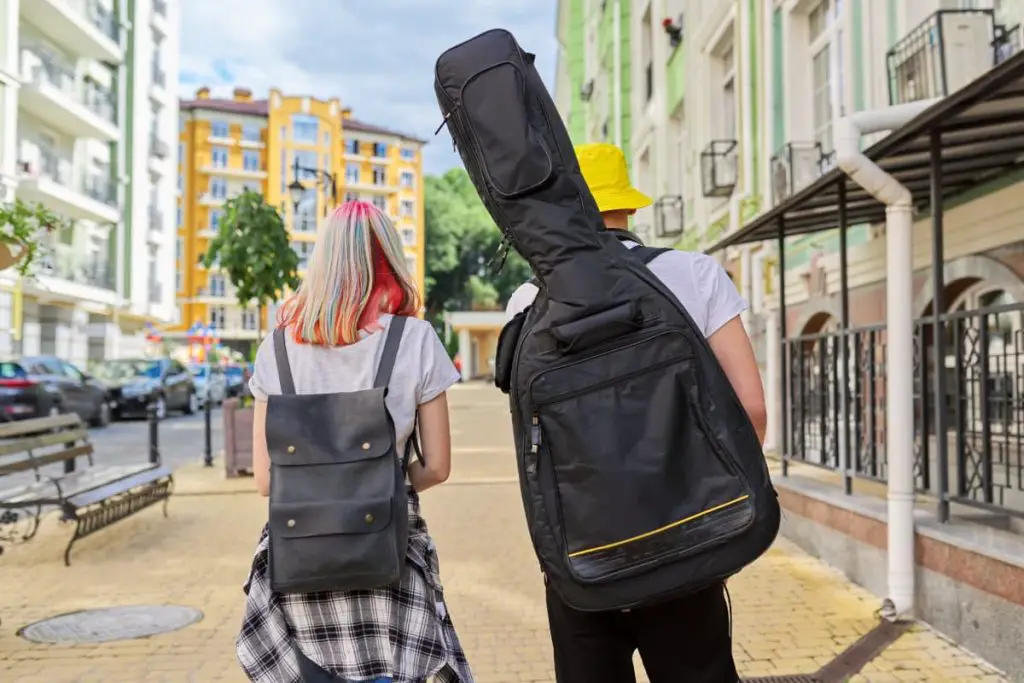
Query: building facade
point(228, 145)
point(81, 146)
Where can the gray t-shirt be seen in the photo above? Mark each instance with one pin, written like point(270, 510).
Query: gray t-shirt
point(702, 286)
point(422, 370)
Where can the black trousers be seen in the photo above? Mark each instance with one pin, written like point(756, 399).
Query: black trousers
point(686, 640)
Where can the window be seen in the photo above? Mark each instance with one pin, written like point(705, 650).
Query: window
point(217, 285)
point(219, 157)
point(380, 175)
point(179, 249)
point(177, 281)
point(219, 129)
point(305, 129)
point(408, 179)
point(218, 188)
point(826, 48)
point(252, 133)
point(351, 173)
point(308, 163)
point(304, 250)
point(215, 217)
point(218, 317)
point(380, 150)
point(181, 182)
point(351, 197)
point(351, 146)
point(381, 202)
point(251, 160)
point(408, 237)
point(327, 138)
point(408, 208)
point(408, 154)
point(728, 113)
point(410, 263)
point(179, 215)
point(249, 319)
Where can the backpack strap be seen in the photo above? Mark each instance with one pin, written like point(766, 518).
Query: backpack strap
point(284, 370)
point(390, 353)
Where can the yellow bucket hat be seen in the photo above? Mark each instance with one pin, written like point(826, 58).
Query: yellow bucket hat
point(604, 168)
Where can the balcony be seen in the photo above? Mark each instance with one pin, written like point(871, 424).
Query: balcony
point(64, 263)
point(718, 168)
point(158, 17)
point(49, 181)
point(945, 52)
point(84, 27)
point(158, 148)
point(235, 171)
point(794, 167)
point(51, 94)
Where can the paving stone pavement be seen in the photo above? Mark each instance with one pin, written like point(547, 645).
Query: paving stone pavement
point(792, 613)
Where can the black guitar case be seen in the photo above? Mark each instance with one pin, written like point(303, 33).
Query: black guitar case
point(641, 474)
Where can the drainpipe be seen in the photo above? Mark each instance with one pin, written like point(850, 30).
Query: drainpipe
point(899, 440)
point(617, 72)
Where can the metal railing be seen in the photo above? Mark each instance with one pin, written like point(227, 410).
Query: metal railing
point(103, 19)
point(982, 411)
point(101, 188)
point(718, 166)
point(920, 65)
point(62, 77)
point(64, 263)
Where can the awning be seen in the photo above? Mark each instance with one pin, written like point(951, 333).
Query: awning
point(982, 138)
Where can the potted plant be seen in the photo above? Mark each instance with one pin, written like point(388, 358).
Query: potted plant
point(23, 232)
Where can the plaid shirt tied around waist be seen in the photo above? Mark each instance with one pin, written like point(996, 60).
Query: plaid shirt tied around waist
point(401, 631)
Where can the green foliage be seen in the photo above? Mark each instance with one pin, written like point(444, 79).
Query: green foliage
point(462, 241)
point(252, 248)
point(24, 227)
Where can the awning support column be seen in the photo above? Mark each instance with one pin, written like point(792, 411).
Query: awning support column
point(844, 375)
point(783, 349)
point(938, 338)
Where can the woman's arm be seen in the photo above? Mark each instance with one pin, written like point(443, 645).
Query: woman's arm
point(260, 454)
point(731, 346)
point(436, 444)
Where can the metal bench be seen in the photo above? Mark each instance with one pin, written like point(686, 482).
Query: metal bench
point(94, 497)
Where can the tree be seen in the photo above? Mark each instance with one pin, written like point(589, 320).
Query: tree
point(462, 244)
point(252, 248)
point(23, 231)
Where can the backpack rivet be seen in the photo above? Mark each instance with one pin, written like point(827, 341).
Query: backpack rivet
point(291, 523)
point(369, 519)
point(291, 449)
point(366, 445)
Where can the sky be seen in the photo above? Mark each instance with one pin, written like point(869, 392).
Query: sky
point(376, 56)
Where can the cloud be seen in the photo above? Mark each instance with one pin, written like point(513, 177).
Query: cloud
point(376, 56)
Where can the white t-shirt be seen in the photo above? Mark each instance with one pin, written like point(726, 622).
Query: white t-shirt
point(702, 286)
point(422, 370)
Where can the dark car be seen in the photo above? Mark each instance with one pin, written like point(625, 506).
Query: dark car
point(134, 383)
point(238, 379)
point(59, 387)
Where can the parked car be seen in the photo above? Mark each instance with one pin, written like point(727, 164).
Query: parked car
point(211, 384)
point(74, 390)
point(45, 385)
point(134, 383)
point(238, 379)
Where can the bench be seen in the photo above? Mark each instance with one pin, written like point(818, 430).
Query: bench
point(94, 497)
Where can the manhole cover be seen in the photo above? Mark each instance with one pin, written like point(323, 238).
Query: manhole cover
point(110, 624)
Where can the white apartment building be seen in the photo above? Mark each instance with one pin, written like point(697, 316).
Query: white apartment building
point(80, 107)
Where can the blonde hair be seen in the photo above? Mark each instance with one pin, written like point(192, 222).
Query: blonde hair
point(357, 272)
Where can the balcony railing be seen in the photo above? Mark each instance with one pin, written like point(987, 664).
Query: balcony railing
point(160, 7)
point(103, 19)
point(62, 77)
point(101, 188)
point(982, 411)
point(159, 77)
point(794, 167)
point(158, 148)
point(62, 262)
point(945, 52)
point(718, 168)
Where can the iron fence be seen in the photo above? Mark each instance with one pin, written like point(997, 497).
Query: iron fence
point(980, 416)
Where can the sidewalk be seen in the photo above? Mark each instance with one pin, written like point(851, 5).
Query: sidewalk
point(792, 614)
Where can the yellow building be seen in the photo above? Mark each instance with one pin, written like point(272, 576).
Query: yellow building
point(228, 145)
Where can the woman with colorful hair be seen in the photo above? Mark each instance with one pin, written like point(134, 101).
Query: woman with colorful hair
point(335, 324)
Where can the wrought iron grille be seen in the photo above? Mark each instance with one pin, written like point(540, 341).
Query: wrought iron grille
point(923, 65)
point(982, 408)
point(718, 166)
point(794, 167)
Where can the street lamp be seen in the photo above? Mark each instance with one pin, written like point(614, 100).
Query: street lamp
point(296, 189)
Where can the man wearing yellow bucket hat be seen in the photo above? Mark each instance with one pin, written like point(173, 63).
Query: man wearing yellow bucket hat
point(687, 639)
